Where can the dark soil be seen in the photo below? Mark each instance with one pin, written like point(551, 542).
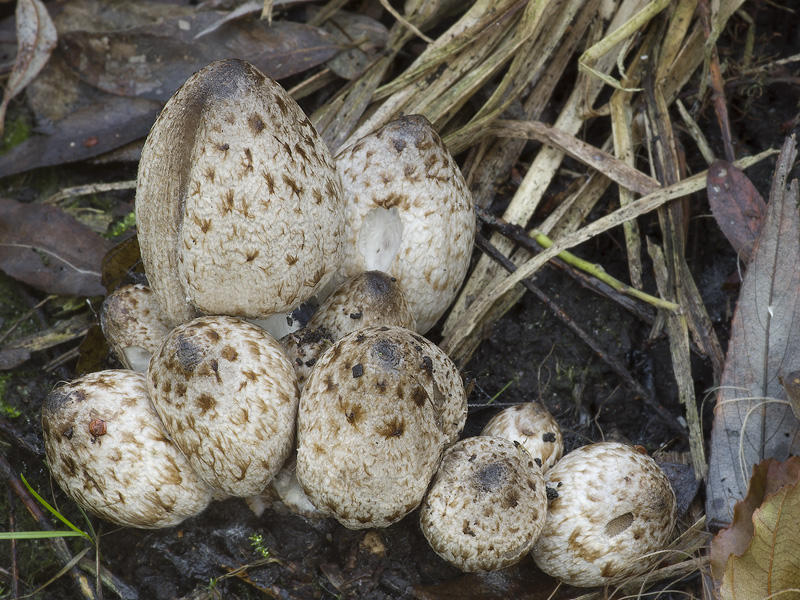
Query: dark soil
point(528, 356)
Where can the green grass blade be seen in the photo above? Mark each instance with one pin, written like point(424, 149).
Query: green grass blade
point(35, 535)
point(57, 514)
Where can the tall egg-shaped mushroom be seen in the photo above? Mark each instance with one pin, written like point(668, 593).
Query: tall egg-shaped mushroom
point(409, 214)
point(238, 203)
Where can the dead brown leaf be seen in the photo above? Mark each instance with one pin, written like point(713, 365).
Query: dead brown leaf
point(36, 38)
point(107, 124)
point(767, 478)
point(367, 35)
point(44, 247)
point(752, 419)
point(153, 60)
point(736, 205)
point(759, 554)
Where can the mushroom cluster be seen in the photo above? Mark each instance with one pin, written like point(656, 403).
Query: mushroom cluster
point(242, 215)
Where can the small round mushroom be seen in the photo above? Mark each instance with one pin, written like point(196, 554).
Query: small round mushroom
point(228, 396)
point(108, 450)
point(238, 202)
point(614, 512)
point(534, 427)
point(486, 506)
point(365, 300)
point(134, 325)
point(409, 214)
point(375, 415)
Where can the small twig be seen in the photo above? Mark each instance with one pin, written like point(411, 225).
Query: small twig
point(92, 188)
point(81, 583)
point(521, 237)
point(405, 22)
point(717, 82)
point(22, 318)
point(612, 361)
point(12, 526)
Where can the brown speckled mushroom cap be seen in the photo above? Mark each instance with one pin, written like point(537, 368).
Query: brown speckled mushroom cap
point(228, 396)
point(238, 203)
point(134, 325)
point(375, 415)
point(614, 511)
point(108, 450)
point(534, 427)
point(486, 505)
point(409, 214)
point(365, 300)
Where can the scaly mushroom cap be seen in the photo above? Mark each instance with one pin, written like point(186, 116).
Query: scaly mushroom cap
point(108, 450)
point(375, 415)
point(615, 510)
point(134, 325)
point(409, 214)
point(228, 396)
point(534, 427)
point(366, 300)
point(486, 506)
point(238, 203)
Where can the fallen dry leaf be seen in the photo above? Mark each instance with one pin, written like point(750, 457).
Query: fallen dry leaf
point(758, 556)
point(36, 38)
point(752, 419)
point(105, 125)
point(44, 247)
point(365, 33)
point(768, 477)
point(154, 60)
point(736, 205)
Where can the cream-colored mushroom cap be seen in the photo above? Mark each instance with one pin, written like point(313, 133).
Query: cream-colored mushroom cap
point(108, 450)
point(134, 325)
point(534, 427)
point(238, 203)
point(409, 214)
point(365, 300)
point(486, 506)
point(228, 396)
point(375, 415)
point(614, 512)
